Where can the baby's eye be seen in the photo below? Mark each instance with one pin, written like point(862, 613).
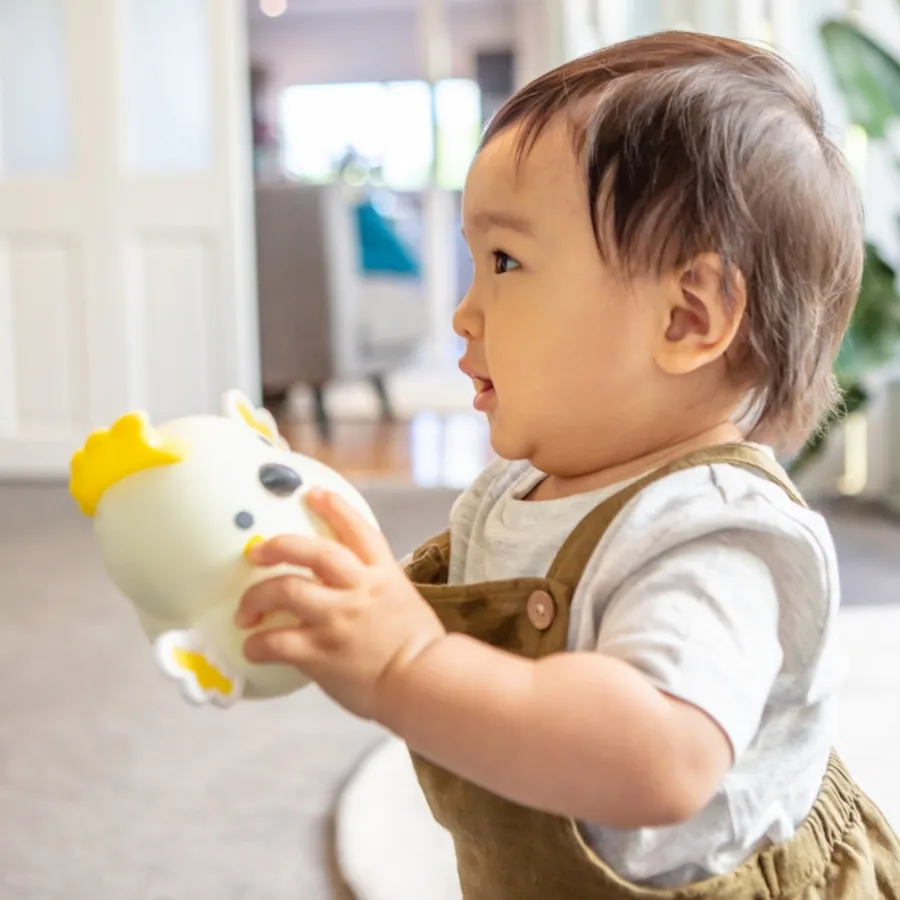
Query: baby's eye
point(244, 520)
point(504, 263)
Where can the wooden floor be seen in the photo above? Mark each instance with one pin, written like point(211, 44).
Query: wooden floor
point(431, 450)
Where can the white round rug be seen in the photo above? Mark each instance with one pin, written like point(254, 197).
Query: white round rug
point(388, 846)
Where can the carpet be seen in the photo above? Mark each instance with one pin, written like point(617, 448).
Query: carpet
point(112, 788)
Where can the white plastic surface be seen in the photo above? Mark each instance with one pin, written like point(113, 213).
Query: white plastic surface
point(387, 843)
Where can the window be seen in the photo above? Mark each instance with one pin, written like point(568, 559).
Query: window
point(381, 132)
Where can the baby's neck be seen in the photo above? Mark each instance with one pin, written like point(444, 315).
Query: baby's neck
point(554, 487)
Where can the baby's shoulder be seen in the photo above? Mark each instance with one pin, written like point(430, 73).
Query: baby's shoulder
point(701, 531)
point(720, 496)
point(723, 507)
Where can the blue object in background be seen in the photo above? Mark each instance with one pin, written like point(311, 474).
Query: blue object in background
point(383, 253)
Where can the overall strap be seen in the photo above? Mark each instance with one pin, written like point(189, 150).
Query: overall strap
point(575, 553)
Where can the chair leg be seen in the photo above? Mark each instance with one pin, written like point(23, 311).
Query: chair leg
point(323, 422)
point(276, 401)
point(387, 409)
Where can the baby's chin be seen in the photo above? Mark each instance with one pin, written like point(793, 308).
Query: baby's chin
point(509, 444)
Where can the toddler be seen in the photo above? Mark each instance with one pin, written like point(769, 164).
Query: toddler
point(617, 669)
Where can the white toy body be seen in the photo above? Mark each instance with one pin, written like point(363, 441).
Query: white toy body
point(173, 531)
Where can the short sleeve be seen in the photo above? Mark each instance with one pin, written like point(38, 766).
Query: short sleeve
point(701, 622)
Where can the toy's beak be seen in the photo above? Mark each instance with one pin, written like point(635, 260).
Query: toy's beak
point(253, 542)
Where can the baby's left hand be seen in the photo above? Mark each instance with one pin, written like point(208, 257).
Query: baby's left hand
point(362, 619)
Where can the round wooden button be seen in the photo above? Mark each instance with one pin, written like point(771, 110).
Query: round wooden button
point(541, 610)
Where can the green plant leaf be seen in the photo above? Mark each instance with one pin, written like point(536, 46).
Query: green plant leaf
point(873, 337)
point(869, 76)
point(872, 340)
point(854, 400)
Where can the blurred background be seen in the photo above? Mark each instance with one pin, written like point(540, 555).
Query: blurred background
point(264, 194)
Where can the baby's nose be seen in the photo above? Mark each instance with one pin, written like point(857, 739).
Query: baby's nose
point(279, 480)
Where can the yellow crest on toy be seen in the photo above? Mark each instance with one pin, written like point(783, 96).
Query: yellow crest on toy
point(112, 454)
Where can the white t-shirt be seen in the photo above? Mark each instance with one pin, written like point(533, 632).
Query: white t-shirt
point(724, 593)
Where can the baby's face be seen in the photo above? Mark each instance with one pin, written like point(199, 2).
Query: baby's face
point(560, 346)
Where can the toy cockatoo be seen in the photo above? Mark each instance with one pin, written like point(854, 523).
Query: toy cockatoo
point(175, 510)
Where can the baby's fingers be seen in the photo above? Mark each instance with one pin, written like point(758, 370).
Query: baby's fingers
point(304, 598)
point(327, 559)
point(366, 542)
point(289, 646)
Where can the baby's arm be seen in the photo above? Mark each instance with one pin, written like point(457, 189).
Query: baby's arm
point(577, 734)
point(634, 731)
point(638, 733)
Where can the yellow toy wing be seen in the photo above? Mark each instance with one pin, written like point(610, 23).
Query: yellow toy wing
point(185, 657)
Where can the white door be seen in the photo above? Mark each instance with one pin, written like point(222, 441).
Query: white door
point(126, 245)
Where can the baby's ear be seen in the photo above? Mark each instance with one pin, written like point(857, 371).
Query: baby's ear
point(237, 407)
point(704, 314)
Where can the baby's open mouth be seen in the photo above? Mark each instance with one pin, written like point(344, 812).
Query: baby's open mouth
point(484, 394)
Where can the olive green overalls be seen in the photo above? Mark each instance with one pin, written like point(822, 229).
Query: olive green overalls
point(845, 849)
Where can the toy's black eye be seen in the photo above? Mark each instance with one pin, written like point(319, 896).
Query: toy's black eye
point(282, 481)
point(244, 520)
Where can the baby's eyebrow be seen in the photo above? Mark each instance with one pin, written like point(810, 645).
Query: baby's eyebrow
point(501, 219)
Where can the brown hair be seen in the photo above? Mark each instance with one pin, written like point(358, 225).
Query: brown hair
point(693, 143)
